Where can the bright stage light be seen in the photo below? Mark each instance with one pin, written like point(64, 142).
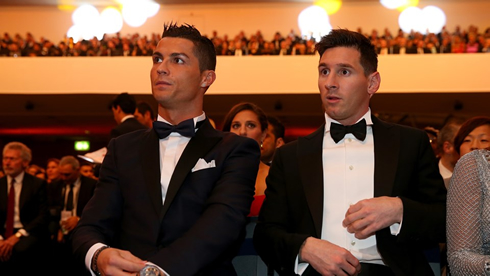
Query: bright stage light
point(111, 20)
point(430, 19)
point(408, 3)
point(84, 14)
point(330, 6)
point(314, 22)
point(393, 4)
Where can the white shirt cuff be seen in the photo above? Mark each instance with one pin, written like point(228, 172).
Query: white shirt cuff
point(395, 228)
point(90, 254)
point(299, 268)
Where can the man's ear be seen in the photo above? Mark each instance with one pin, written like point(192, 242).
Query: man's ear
point(280, 142)
point(374, 83)
point(209, 76)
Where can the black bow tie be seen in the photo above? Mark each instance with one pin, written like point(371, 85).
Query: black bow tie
point(338, 131)
point(184, 128)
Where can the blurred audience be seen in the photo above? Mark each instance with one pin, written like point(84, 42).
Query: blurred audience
point(470, 40)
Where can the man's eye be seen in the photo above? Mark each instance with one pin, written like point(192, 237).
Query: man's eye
point(157, 59)
point(344, 72)
point(178, 60)
point(324, 71)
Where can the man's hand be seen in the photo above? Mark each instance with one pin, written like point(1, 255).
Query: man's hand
point(6, 247)
point(370, 215)
point(70, 223)
point(114, 261)
point(328, 258)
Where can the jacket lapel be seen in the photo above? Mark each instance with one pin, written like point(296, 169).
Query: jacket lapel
point(150, 156)
point(206, 138)
point(386, 152)
point(311, 171)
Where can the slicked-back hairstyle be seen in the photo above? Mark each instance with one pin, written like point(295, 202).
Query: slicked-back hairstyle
point(346, 38)
point(245, 106)
point(70, 160)
point(203, 47)
point(468, 127)
point(25, 152)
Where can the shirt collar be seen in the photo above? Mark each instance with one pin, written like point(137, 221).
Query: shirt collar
point(328, 120)
point(127, 117)
point(199, 118)
point(18, 178)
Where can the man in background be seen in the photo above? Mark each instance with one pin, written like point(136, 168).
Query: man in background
point(144, 114)
point(273, 139)
point(123, 108)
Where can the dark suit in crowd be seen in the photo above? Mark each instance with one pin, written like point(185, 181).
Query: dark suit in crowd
point(27, 253)
point(129, 125)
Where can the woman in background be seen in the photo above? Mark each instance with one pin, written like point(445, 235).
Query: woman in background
point(52, 170)
point(473, 134)
point(248, 120)
point(468, 215)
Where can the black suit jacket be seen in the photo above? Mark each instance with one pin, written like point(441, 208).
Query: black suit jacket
point(404, 167)
point(57, 195)
point(198, 228)
point(32, 205)
point(129, 125)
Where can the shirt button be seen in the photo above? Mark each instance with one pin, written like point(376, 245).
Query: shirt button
point(352, 243)
point(350, 140)
point(351, 167)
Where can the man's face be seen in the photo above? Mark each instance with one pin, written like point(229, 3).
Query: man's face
point(87, 171)
point(344, 89)
point(268, 144)
point(68, 174)
point(175, 76)
point(13, 164)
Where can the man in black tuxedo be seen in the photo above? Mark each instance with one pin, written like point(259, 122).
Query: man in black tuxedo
point(23, 214)
point(179, 201)
point(357, 200)
point(123, 108)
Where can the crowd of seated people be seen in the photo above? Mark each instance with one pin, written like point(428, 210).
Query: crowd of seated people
point(457, 41)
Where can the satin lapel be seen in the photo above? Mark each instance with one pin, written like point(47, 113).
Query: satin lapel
point(311, 171)
point(206, 138)
point(386, 152)
point(150, 156)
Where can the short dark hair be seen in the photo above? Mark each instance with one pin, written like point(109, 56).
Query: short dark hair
point(346, 38)
point(245, 106)
point(143, 107)
point(278, 127)
point(126, 102)
point(203, 47)
point(468, 127)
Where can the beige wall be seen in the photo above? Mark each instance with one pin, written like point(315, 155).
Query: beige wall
point(232, 18)
point(241, 75)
